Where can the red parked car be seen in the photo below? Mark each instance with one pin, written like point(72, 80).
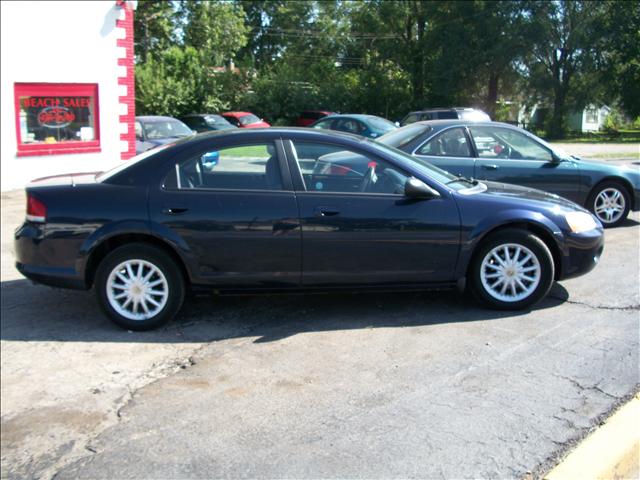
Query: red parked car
point(245, 120)
point(308, 117)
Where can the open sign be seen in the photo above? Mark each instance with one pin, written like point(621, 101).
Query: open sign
point(55, 117)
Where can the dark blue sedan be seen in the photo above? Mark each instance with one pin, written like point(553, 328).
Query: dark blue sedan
point(504, 153)
point(297, 210)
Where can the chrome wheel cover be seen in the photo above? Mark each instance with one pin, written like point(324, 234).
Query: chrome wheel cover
point(609, 205)
point(510, 272)
point(137, 289)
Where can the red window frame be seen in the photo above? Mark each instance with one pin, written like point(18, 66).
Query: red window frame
point(58, 90)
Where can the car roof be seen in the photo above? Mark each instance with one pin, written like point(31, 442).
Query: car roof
point(460, 121)
point(201, 115)
point(357, 116)
point(236, 114)
point(155, 118)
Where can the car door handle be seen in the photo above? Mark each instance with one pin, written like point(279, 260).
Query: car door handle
point(492, 166)
point(175, 210)
point(325, 211)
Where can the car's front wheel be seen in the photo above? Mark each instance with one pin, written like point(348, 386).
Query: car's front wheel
point(610, 202)
point(513, 269)
point(139, 286)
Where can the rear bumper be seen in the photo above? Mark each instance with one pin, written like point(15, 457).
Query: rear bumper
point(582, 253)
point(46, 260)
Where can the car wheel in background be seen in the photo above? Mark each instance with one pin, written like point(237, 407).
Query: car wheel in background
point(512, 270)
point(139, 286)
point(610, 202)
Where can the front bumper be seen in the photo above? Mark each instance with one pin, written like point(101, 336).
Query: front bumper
point(582, 253)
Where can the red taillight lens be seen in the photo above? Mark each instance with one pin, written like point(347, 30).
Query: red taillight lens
point(339, 170)
point(36, 210)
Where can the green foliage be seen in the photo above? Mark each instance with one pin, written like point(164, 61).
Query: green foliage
point(387, 57)
point(612, 123)
point(177, 83)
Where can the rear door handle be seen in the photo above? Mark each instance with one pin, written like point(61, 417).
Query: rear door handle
point(490, 166)
point(325, 211)
point(174, 210)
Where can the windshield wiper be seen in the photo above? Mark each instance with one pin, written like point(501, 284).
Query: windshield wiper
point(462, 178)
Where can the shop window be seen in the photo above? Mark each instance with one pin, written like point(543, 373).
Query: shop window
point(56, 118)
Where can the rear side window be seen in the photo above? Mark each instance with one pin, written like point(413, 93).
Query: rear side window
point(450, 143)
point(447, 115)
point(248, 167)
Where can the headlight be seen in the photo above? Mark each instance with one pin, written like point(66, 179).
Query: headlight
point(580, 221)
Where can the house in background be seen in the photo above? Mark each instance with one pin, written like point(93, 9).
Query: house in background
point(590, 119)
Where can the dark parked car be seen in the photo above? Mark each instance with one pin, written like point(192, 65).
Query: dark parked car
point(365, 125)
point(308, 117)
point(503, 153)
point(152, 131)
point(206, 122)
point(458, 113)
point(292, 209)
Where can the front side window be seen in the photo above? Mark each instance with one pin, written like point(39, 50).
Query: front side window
point(411, 118)
point(334, 169)
point(56, 118)
point(507, 144)
point(247, 167)
point(450, 143)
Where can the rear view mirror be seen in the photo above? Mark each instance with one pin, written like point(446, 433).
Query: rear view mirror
point(417, 189)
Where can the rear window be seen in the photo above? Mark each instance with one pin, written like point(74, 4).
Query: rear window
point(447, 115)
point(313, 115)
point(249, 119)
point(403, 136)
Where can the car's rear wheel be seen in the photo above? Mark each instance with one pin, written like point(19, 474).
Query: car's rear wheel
point(513, 269)
point(610, 202)
point(139, 286)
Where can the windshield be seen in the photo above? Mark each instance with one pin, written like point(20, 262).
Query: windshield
point(165, 129)
point(381, 124)
point(217, 121)
point(428, 169)
point(403, 136)
point(248, 119)
point(101, 177)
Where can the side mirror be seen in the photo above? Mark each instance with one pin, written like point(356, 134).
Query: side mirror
point(414, 188)
point(555, 158)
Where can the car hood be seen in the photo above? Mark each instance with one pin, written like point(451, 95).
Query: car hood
point(528, 195)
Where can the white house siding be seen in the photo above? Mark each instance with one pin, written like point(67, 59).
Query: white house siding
point(59, 42)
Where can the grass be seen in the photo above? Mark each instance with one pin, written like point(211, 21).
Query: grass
point(623, 136)
point(257, 151)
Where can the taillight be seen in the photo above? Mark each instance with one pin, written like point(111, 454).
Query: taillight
point(36, 210)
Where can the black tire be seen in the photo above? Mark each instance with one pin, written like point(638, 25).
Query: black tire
point(172, 284)
point(609, 186)
point(515, 237)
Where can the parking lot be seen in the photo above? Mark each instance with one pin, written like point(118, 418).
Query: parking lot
point(425, 385)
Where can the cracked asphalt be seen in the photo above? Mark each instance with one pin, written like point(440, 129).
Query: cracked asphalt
point(424, 385)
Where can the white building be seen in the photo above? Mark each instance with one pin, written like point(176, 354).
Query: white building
point(67, 88)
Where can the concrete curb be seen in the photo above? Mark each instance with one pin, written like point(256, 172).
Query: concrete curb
point(611, 452)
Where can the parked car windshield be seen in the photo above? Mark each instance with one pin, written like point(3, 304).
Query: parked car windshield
point(381, 124)
point(248, 119)
point(429, 170)
point(217, 121)
point(403, 136)
point(166, 128)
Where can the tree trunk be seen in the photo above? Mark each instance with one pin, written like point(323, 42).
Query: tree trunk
point(492, 95)
point(555, 127)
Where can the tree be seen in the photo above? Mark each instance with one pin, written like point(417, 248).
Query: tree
point(154, 28)
point(176, 83)
point(564, 56)
point(215, 29)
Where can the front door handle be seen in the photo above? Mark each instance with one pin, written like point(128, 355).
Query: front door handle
point(491, 166)
point(175, 210)
point(325, 211)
